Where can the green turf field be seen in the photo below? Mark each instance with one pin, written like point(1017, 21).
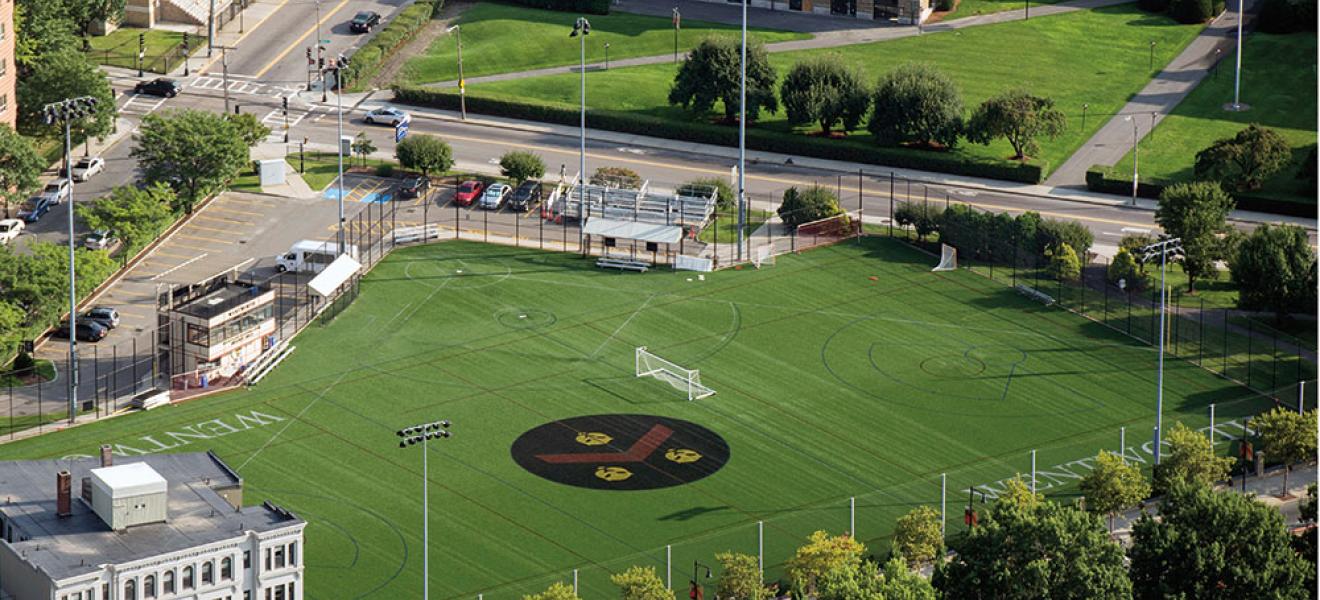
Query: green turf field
point(849, 371)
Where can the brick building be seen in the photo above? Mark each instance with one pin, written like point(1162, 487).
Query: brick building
point(8, 78)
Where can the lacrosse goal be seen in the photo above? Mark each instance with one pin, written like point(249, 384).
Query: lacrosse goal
point(684, 380)
point(948, 258)
point(764, 256)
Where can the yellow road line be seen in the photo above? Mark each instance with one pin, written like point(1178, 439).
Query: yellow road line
point(171, 254)
point(205, 239)
point(205, 228)
point(223, 219)
point(235, 210)
point(251, 29)
point(295, 43)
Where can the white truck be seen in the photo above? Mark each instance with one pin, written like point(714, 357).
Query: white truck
point(311, 256)
point(9, 229)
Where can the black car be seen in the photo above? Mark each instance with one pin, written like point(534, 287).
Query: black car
point(87, 331)
point(414, 187)
point(364, 21)
point(525, 196)
point(161, 86)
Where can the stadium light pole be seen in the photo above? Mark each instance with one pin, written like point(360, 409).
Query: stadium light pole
point(1162, 249)
point(65, 112)
point(742, 134)
point(462, 84)
point(581, 29)
point(420, 434)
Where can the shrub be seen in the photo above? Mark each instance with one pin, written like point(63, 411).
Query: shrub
point(966, 228)
point(426, 153)
point(620, 177)
point(1155, 6)
point(521, 166)
point(805, 206)
point(1191, 11)
point(385, 170)
point(1064, 262)
point(1053, 232)
point(916, 103)
point(1126, 268)
point(921, 217)
point(23, 364)
point(1286, 16)
point(364, 63)
point(725, 196)
point(595, 7)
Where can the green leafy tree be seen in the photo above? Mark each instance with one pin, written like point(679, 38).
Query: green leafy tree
point(740, 578)
point(1213, 545)
point(725, 196)
point(1191, 11)
point(86, 13)
point(20, 168)
point(12, 319)
point(41, 27)
point(1190, 459)
point(867, 581)
point(1126, 269)
point(1064, 262)
point(1020, 118)
point(362, 146)
point(557, 591)
point(921, 217)
point(1275, 269)
point(1287, 436)
point(619, 177)
point(195, 152)
point(39, 278)
point(1133, 243)
point(710, 74)
point(1028, 548)
point(1244, 161)
point(1054, 232)
point(247, 128)
point(1306, 507)
point(1112, 486)
point(824, 90)
point(822, 553)
point(521, 166)
point(641, 583)
point(426, 153)
point(807, 205)
point(1198, 214)
point(917, 536)
point(61, 74)
point(137, 216)
point(915, 103)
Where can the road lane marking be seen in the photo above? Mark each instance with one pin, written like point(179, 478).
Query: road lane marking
point(295, 43)
point(216, 55)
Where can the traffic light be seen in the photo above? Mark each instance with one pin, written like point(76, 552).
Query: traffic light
point(142, 40)
point(185, 41)
point(320, 62)
point(309, 57)
point(286, 105)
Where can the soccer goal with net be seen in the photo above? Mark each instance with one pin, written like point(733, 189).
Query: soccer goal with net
point(684, 380)
point(948, 258)
point(764, 256)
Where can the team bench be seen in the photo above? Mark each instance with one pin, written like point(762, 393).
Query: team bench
point(625, 265)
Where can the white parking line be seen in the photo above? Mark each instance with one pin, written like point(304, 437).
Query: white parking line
point(180, 266)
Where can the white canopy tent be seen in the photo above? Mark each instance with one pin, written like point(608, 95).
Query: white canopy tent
point(633, 230)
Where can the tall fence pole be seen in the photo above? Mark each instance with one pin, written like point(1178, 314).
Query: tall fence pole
point(760, 548)
point(1212, 424)
point(1122, 443)
point(1301, 393)
point(1033, 471)
point(944, 491)
point(852, 516)
point(891, 204)
point(669, 562)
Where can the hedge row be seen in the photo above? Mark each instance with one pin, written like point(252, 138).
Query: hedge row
point(1104, 180)
point(1287, 16)
point(704, 133)
point(368, 59)
point(595, 7)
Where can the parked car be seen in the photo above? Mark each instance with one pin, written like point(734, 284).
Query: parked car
point(37, 208)
point(86, 331)
point(161, 86)
point(98, 240)
point(494, 196)
point(86, 167)
point(9, 229)
point(387, 115)
point(56, 191)
point(364, 21)
point(104, 315)
point(415, 187)
point(525, 196)
point(468, 192)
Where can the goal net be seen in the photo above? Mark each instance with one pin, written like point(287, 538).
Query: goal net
point(684, 380)
point(827, 231)
point(948, 258)
point(764, 256)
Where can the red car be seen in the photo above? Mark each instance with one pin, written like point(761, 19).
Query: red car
point(468, 191)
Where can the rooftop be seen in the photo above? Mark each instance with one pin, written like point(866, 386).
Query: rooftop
point(222, 298)
point(75, 545)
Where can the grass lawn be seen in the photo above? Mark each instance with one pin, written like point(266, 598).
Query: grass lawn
point(120, 48)
point(727, 226)
point(1278, 82)
point(871, 391)
point(500, 38)
point(322, 168)
point(971, 8)
point(1096, 57)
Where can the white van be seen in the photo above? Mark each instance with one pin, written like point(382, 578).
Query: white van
point(311, 256)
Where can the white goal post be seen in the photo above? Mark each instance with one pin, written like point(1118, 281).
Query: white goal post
point(764, 255)
point(948, 258)
point(684, 380)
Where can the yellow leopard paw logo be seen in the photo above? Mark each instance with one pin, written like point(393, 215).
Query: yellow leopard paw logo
point(613, 473)
point(682, 455)
point(593, 438)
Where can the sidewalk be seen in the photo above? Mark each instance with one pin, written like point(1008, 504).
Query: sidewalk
point(1160, 96)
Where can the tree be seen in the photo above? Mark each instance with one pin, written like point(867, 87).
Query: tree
point(195, 152)
point(1287, 435)
point(1113, 485)
point(740, 578)
point(1189, 459)
point(1133, 243)
point(425, 153)
point(1018, 117)
point(1064, 262)
point(1198, 214)
point(521, 166)
point(86, 13)
point(1026, 548)
point(824, 90)
point(557, 590)
point(866, 581)
point(41, 27)
point(55, 76)
point(1244, 161)
point(362, 146)
point(248, 128)
point(1213, 545)
point(917, 536)
point(710, 74)
point(20, 168)
point(725, 197)
point(137, 216)
point(1055, 232)
point(617, 177)
point(920, 217)
point(641, 583)
point(804, 206)
point(821, 554)
point(1275, 269)
point(916, 104)
point(1126, 269)
point(1306, 507)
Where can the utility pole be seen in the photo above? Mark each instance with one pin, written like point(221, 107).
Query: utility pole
point(742, 136)
point(210, 30)
point(1162, 249)
point(462, 83)
point(224, 71)
point(582, 28)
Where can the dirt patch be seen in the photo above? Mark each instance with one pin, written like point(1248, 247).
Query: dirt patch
point(390, 69)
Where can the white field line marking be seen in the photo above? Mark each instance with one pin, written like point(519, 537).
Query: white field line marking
point(621, 326)
point(295, 419)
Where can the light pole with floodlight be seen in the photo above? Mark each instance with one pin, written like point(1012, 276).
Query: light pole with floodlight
point(420, 434)
point(581, 29)
point(462, 84)
point(1162, 249)
point(336, 66)
point(742, 135)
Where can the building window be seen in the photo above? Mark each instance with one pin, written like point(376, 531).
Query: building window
point(149, 586)
point(167, 583)
point(3, 69)
point(293, 554)
point(247, 559)
point(198, 335)
point(4, 102)
point(247, 595)
point(243, 323)
point(268, 592)
point(267, 559)
point(226, 569)
point(130, 590)
point(208, 573)
point(279, 557)
point(291, 588)
point(105, 591)
point(188, 578)
point(279, 592)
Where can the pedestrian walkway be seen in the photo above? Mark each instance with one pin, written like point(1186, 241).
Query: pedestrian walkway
point(1116, 138)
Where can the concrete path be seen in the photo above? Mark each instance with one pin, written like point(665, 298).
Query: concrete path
point(1114, 140)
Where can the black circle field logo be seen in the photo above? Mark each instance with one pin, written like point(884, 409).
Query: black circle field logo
point(621, 452)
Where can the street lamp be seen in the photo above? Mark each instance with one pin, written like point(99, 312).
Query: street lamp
point(1237, 70)
point(462, 85)
point(742, 135)
point(339, 139)
point(1162, 249)
point(678, 19)
point(607, 56)
point(694, 583)
point(581, 29)
point(420, 434)
point(67, 111)
point(1136, 158)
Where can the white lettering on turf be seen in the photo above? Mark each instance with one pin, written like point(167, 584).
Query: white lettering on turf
point(183, 436)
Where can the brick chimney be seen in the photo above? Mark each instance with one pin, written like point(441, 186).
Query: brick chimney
point(107, 459)
point(63, 502)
